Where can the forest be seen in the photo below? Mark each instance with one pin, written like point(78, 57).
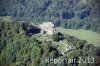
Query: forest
point(19, 49)
point(21, 44)
point(70, 14)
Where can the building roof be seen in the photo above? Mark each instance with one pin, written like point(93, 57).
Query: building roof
point(47, 24)
point(48, 27)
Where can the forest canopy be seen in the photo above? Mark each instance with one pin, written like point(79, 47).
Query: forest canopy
point(19, 49)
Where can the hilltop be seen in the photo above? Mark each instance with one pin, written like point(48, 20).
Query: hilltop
point(19, 48)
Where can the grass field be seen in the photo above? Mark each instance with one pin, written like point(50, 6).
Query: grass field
point(90, 36)
point(6, 18)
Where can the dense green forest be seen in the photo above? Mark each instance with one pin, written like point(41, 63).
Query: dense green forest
point(22, 44)
point(70, 14)
point(17, 48)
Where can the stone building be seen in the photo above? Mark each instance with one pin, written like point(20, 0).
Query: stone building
point(47, 28)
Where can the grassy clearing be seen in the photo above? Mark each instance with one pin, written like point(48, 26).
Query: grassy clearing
point(6, 18)
point(90, 36)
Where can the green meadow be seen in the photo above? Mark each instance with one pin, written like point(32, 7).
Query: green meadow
point(90, 36)
point(6, 18)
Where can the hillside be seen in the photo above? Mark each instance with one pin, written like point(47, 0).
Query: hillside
point(72, 14)
point(90, 36)
point(49, 32)
point(20, 45)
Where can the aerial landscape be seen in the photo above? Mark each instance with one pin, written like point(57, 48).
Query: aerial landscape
point(49, 32)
